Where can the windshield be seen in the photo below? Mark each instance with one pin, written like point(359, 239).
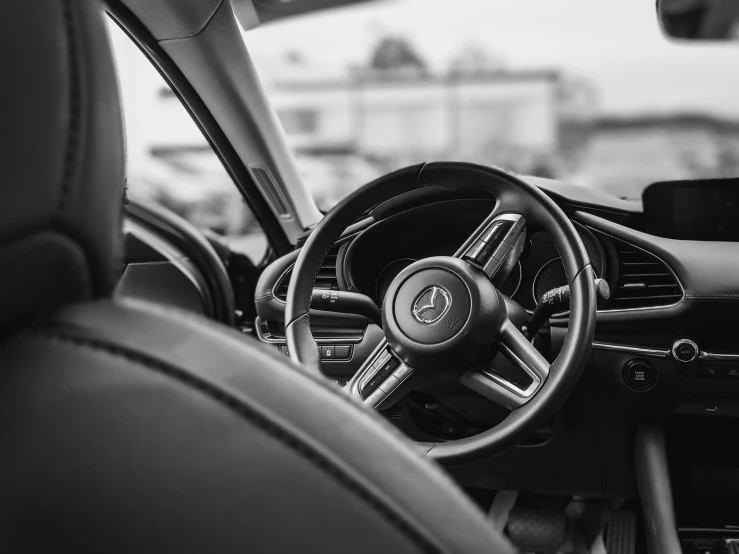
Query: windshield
point(579, 90)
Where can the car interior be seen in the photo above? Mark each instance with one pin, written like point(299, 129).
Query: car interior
point(455, 357)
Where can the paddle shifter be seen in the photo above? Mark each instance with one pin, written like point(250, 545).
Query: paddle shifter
point(558, 300)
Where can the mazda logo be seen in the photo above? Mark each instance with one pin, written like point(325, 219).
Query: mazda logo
point(431, 305)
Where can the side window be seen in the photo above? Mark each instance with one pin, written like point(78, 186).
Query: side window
point(169, 159)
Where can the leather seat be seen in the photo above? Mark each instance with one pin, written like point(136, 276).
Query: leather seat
point(130, 428)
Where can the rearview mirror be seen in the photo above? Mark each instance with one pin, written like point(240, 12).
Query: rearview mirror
point(700, 19)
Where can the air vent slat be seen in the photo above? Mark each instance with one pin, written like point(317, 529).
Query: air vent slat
point(325, 279)
point(644, 281)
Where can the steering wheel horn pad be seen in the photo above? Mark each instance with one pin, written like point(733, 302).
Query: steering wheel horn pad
point(441, 314)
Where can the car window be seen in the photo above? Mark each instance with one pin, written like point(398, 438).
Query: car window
point(169, 160)
point(555, 89)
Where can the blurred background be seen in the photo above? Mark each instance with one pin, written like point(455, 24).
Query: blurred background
point(591, 93)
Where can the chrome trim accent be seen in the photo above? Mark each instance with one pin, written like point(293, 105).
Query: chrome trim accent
point(536, 379)
point(718, 357)
point(418, 310)
point(669, 268)
point(363, 374)
point(658, 352)
point(677, 343)
point(269, 339)
point(639, 350)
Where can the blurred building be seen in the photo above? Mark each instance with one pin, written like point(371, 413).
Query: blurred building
point(347, 127)
point(428, 118)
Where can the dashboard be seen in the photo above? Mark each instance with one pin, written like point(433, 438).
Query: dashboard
point(666, 342)
point(370, 270)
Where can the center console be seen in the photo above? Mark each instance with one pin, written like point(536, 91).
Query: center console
point(688, 480)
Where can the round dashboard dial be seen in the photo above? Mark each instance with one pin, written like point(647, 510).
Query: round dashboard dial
point(388, 273)
point(512, 283)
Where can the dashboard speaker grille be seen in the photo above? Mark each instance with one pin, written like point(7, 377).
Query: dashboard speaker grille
point(326, 278)
point(644, 281)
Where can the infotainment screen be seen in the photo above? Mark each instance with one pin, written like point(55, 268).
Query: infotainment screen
point(706, 209)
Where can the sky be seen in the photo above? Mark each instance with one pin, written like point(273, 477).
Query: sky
point(616, 44)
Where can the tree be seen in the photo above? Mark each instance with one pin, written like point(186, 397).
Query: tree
point(394, 54)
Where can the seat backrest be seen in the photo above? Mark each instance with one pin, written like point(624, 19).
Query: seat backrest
point(62, 158)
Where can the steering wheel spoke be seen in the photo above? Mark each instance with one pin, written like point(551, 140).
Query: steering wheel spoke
point(383, 379)
point(496, 245)
point(510, 384)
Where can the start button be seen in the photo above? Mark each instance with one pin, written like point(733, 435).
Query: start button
point(640, 375)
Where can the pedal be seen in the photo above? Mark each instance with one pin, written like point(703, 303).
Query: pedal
point(537, 531)
point(621, 533)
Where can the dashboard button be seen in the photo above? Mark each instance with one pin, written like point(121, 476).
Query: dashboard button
point(343, 352)
point(720, 369)
point(328, 353)
point(640, 375)
point(685, 350)
point(372, 385)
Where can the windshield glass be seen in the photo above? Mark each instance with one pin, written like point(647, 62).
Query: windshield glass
point(583, 91)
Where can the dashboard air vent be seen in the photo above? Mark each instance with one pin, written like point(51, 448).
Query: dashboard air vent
point(326, 278)
point(643, 280)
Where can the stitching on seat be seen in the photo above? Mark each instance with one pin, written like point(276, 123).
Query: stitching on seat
point(74, 104)
point(292, 442)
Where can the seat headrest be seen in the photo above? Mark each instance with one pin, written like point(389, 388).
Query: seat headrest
point(63, 158)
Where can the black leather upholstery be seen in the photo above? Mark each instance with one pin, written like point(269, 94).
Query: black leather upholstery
point(128, 428)
point(62, 159)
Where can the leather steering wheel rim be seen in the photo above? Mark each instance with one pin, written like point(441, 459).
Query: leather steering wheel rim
point(511, 193)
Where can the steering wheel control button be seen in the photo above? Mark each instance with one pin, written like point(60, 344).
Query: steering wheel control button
point(402, 372)
point(375, 398)
point(640, 375)
point(381, 359)
point(500, 241)
point(388, 367)
point(685, 351)
point(432, 306)
point(479, 253)
point(497, 232)
point(388, 384)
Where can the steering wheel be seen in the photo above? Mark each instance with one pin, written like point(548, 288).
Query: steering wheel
point(444, 319)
